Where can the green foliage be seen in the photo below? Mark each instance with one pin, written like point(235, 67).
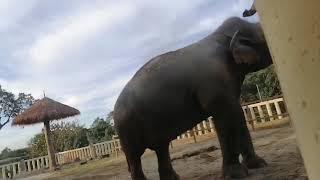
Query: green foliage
point(11, 105)
point(65, 136)
point(68, 135)
point(101, 130)
point(267, 82)
point(37, 146)
point(109, 116)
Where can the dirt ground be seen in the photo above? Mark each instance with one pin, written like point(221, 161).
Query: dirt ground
point(202, 160)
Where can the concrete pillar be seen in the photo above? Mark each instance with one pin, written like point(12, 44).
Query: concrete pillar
point(211, 125)
point(199, 129)
point(205, 127)
point(292, 29)
point(269, 111)
point(276, 104)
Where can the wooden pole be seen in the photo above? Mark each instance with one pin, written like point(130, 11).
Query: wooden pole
point(51, 154)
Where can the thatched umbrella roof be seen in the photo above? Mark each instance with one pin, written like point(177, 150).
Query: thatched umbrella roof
point(43, 110)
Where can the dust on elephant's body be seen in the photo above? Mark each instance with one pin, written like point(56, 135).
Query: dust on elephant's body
point(175, 91)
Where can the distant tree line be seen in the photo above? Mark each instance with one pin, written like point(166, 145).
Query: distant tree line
point(9, 153)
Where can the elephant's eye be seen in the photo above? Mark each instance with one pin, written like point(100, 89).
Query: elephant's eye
point(246, 42)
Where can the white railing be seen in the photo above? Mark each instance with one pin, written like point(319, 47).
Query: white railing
point(71, 155)
point(25, 166)
point(255, 113)
point(107, 148)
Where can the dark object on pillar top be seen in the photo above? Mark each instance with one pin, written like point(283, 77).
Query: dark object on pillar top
point(175, 91)
point(249, 12)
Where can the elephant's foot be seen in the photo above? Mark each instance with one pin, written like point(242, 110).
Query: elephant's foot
point(254, 163)
point(169, 175)
point(235, 171)
point(139, 178)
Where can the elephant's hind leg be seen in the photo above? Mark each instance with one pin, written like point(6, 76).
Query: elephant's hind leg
point(165, 168)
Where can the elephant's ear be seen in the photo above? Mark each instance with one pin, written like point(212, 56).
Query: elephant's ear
point(243, 50)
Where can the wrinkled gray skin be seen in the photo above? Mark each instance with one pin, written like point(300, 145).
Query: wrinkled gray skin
point(176, 90)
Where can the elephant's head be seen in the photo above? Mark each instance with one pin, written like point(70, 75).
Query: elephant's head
point(248, 45)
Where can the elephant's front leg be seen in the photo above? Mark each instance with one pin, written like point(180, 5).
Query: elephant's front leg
point(227, 123)
point(250, 158)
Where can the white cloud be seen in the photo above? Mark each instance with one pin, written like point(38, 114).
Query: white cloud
point(75, 30)
point(12, 11)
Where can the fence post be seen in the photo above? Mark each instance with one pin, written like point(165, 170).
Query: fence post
point(261, 115)
point(205, 127)
point(269, 111)
point(22, 167)
point(199, 129)
point(4, 175)
point(276, 104)
point(92, 151)
point(252, 118)
point(194, 135)
point(211, 125)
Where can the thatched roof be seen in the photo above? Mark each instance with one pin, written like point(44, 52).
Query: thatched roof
point(45, 109)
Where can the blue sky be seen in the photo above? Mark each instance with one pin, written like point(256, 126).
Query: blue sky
point(82, 53)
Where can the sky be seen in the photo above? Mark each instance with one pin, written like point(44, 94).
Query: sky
point(82, 53)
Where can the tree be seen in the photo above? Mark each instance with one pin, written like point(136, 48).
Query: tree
point(101, 130)
point(97, 130)
point(109, 116)
point(68, 135)
point(37, 146)
point(11, 106)
point(267, 82)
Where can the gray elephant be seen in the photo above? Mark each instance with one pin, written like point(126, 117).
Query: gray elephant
point(175, 91)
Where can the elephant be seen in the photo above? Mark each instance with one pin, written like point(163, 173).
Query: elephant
point(175, 91)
